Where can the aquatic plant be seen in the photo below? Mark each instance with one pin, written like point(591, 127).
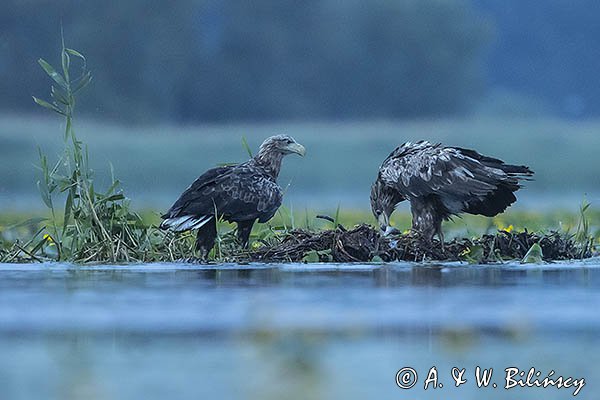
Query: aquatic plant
point(534, 255)
point(95, 224)
point(583, 236)
point(92, 225)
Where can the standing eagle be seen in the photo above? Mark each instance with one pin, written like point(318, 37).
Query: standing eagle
point(239, 193)
point(441, 182)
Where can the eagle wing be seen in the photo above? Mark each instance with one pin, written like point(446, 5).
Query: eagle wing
point(462, 178)
point(236, 193)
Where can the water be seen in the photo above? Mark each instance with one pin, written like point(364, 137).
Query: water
point(294, 331)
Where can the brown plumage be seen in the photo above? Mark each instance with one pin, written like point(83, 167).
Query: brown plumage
point(441, 182)
point(240, 193)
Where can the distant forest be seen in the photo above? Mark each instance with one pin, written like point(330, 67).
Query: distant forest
point(214, 60)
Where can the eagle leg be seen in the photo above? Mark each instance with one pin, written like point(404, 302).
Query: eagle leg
point(427, 216)
point(205, 238)
point(243, 232)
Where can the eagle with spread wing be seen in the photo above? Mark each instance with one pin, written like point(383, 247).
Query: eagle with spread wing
point(240, 193)
point(441, 182)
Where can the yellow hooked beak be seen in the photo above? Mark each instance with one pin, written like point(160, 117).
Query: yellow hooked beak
point(296, 148)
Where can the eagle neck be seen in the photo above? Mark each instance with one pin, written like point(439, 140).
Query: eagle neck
point(270, 162)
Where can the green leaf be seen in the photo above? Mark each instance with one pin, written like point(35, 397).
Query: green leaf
point(114, 197)
point(58, 96)
point(45, 194)
point(47, 105)
point(43, 161)
point(534, 255)
point(75, 53)
point(115, 184)
point(325, 253)
point(83, 81)
point(68, 127)
point(53, 74)
point(336, 219)
point(66, 63)
point(112, 178)
point(68, 208)
point(377, 259)
point(246, 146)
point(311, 256)
point(474, 254)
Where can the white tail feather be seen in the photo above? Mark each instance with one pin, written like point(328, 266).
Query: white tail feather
point(185, 223)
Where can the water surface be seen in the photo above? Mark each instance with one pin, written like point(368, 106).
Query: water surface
point(296, 331)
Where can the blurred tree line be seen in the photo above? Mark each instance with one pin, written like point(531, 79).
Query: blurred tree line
point(213, 60)
point(548, 49)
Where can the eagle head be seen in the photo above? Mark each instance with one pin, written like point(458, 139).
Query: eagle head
point(383, 203)
point(282, 144)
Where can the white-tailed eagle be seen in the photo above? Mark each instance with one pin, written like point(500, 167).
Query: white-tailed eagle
point(240, 193)
point(441, 182)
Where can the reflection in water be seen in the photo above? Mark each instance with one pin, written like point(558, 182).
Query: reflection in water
point(387, 276)
point(291, 331)
point(427, 276)
point(292, 360)
point(76, 379)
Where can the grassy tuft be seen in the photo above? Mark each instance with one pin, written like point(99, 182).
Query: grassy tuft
point(91, 225)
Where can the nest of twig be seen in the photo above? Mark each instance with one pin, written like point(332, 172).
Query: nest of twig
point(365, 244)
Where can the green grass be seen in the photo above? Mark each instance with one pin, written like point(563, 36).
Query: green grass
point(93, 225)
point(477, 225)
point(467, 225)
